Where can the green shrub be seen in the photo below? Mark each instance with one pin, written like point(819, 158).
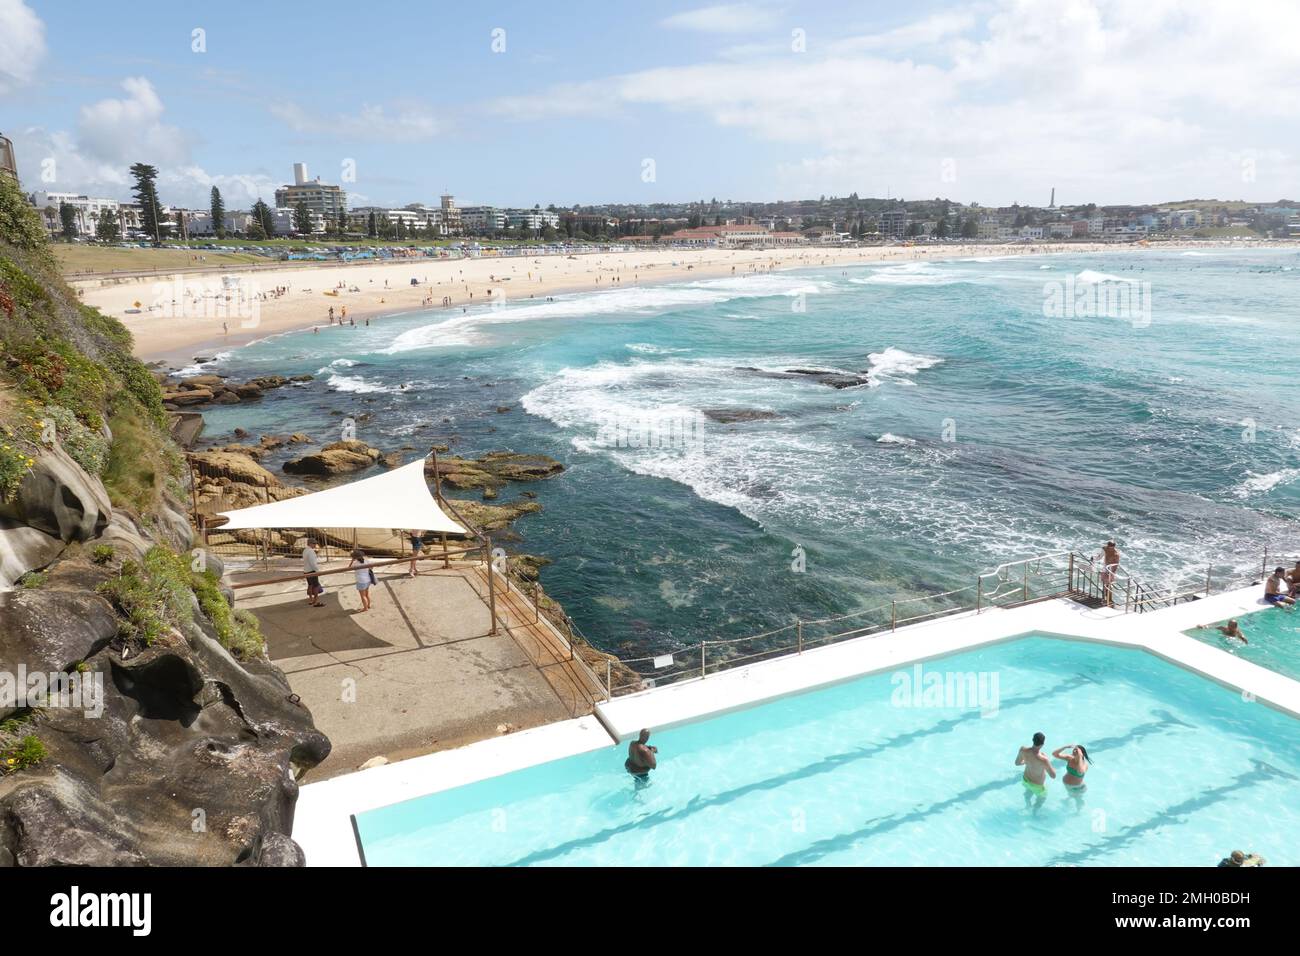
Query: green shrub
point(102, 553)
point(87, 447)
point(27, 752)
point(33, 580)
point(156, 596)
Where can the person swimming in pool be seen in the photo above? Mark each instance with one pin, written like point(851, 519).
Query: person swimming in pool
point(1037, 769)
point(641, 758)
point(1276, 589)
point(1232, 630)
point(1076, 765)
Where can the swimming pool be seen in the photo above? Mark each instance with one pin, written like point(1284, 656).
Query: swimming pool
point(1272, 635)
point(881, 771)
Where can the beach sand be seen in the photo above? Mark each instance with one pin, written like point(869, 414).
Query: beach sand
point(180, 317)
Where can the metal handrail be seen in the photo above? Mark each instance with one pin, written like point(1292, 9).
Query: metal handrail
point(1064, 573)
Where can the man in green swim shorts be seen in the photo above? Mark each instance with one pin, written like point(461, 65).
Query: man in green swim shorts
point(1037, 769)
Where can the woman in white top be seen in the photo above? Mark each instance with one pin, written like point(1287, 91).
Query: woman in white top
point(365, 577)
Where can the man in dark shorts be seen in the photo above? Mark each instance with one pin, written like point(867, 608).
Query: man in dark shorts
point(310, 565)
point(1276, 589)
point(641, 758)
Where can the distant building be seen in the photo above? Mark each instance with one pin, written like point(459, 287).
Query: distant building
point(451, 220)
point(482, 219)
point(321, 198)
point(86, 210)
point(894, 223)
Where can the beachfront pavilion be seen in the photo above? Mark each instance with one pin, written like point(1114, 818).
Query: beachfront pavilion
point(460, 653)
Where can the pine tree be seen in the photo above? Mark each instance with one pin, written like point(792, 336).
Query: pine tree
point(302, 219)
point(68, 217)
point(343, 222)
point(218, 207)
point(372, 228)
point(263, 220)
point(146, 194)
point(106, 229)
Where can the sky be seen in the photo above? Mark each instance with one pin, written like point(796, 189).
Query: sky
point(1107, 101)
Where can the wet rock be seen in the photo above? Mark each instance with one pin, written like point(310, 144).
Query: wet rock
point(495, 469)
point(834, 379)
point(729, 416)
point(339, 458)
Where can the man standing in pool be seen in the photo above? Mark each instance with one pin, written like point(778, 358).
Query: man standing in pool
point(641, 758)
point(1037, 768)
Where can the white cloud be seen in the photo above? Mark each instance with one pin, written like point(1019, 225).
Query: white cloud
point(129, 129)
point(723, 18)
point(409, 124)
point(112, 134)
point(1105, 99)
point(22, 44)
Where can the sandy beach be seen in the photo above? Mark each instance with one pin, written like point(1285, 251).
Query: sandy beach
point(180, 317)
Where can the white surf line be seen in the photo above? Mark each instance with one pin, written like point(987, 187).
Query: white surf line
point(323, 819)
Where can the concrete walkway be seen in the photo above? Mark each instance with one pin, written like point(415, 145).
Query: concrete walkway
point(415, 674)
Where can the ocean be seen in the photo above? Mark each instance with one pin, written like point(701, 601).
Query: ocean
point(713, 492)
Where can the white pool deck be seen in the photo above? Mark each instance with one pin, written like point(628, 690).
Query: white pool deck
point(323, 819)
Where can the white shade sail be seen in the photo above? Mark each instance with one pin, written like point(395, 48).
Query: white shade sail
point(396, 499)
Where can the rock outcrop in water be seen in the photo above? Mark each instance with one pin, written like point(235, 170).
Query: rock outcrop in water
point(829, 377)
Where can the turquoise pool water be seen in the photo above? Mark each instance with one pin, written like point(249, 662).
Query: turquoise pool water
point(1272, 635)
point(864, 774)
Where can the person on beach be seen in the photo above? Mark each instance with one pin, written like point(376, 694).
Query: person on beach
point(1076, 765)
point(311, 565)
point(365, 576)
point(641, 758)
point(1276, 590)
point(1293, 576)
point(1037, 769)
point(417, 546)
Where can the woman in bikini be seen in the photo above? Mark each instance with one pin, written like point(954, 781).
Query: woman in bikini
point(1076, 764)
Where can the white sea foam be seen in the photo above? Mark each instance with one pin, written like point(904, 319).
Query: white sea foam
point(889, 438)
point(914, 274)
point(468, 328)
point(897, 366)
point(203, 368)
point(1260, 484)
point(646, 349)
point(355, 383)
point(1093, 277)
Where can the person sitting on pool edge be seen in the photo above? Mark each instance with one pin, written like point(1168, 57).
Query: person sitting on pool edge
point(1037, 768)
point(641, 758)
point(1077, 763)
point(1294, 577)
point(1276, 589)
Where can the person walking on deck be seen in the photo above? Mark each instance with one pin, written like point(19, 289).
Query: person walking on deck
point(311, 565)
point(417, 547)
point(365, 576)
